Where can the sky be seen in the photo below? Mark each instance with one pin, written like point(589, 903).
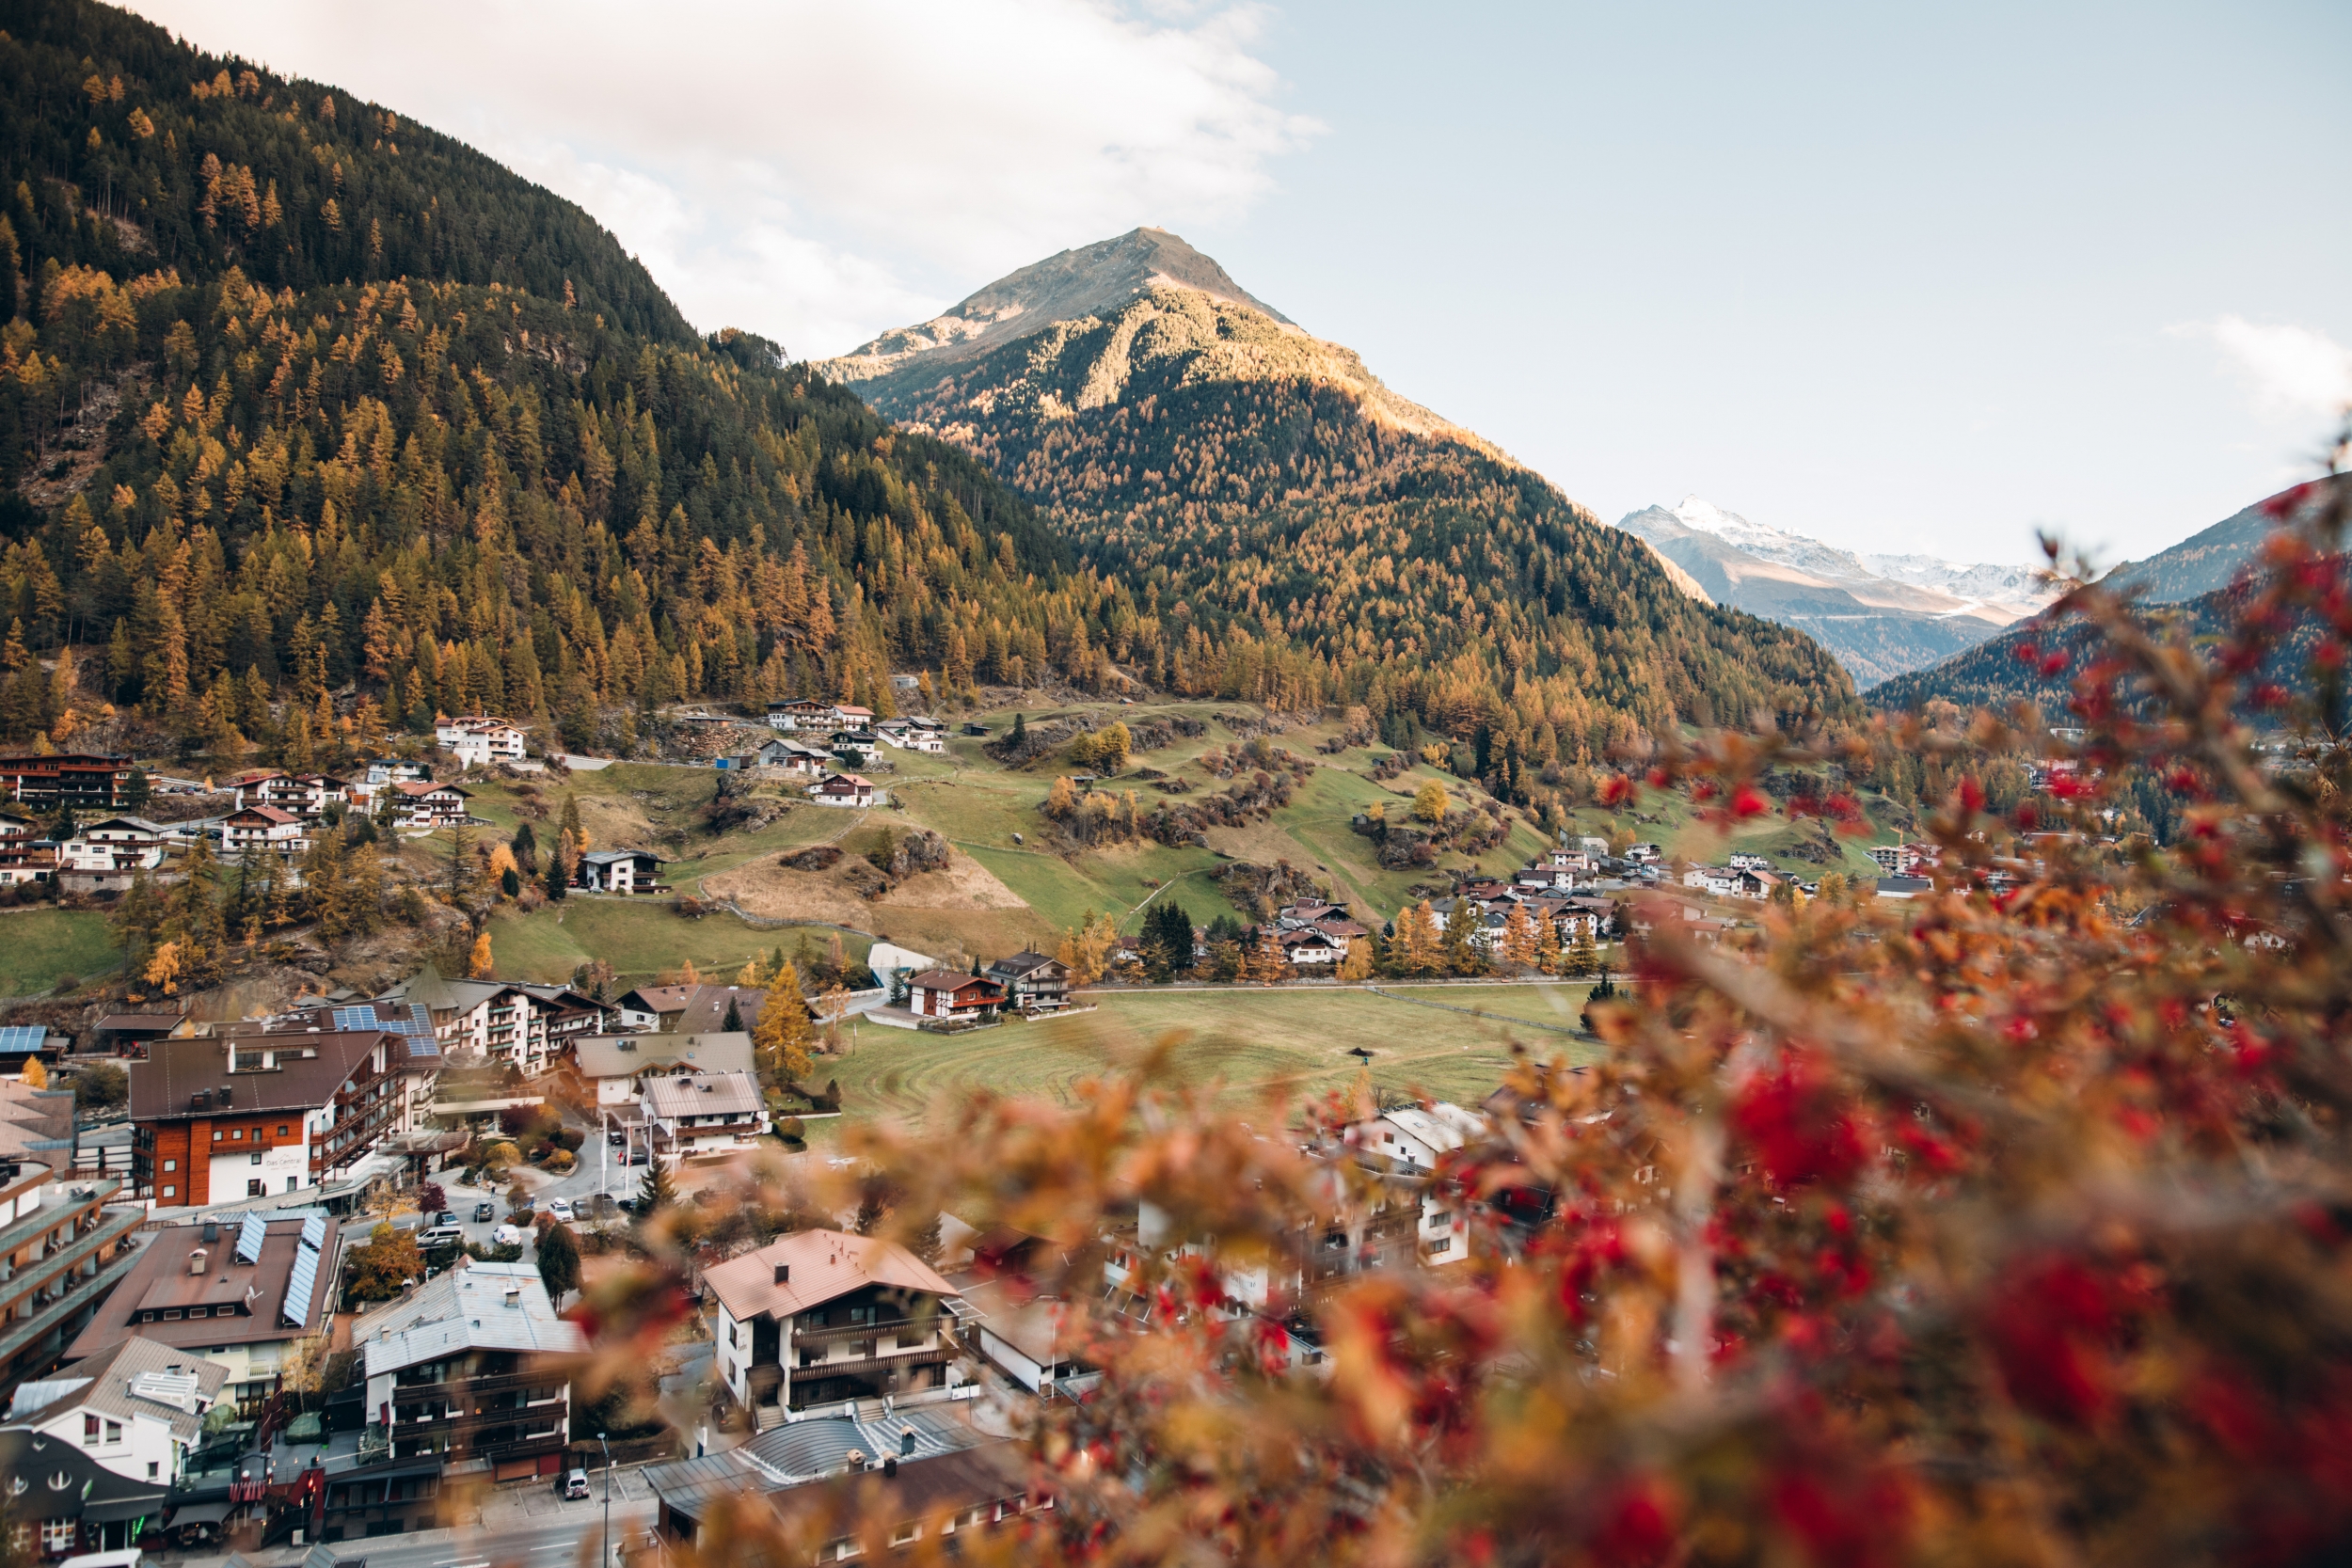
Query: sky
point(1903, 278)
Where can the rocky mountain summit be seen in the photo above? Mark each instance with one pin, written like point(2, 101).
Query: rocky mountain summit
point(1185, 434)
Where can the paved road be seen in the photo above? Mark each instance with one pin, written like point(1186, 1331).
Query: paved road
point(565, 1533)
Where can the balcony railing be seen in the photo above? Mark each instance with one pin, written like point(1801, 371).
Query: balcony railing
point(931, 1356)
point(834, 1332)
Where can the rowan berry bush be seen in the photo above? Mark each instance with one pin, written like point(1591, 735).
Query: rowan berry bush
point(2003, 1224)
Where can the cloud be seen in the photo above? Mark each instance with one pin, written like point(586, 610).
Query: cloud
point(2293, 374)
point(810, 169)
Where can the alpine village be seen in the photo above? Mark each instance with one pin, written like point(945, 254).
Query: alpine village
point(1079, 935)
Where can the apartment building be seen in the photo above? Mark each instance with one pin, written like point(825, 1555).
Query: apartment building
point(820, 1317)
point(237, 1290)
point(137, 1408)
point(269, 1110)
point(468, 1367)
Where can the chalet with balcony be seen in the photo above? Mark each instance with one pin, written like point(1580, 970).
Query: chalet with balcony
point(842, 789)
point(81, 780)
point(306, 795)
point(617, 1067)
point(1032, 981)
point(495, 1020)
point(704, 1113)
point(257, 829)
point(624, 871)
point(421, 804)
point(942, 993)
point(818, 1317)
point(471, 1367)
point(238, 1291)
point(218, 1117)
point(801, 713)
point(793, 758)
point(477, 740)
point(117, 843)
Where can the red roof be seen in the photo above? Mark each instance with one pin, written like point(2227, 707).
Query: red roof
point(270, 815)
point(948, 980)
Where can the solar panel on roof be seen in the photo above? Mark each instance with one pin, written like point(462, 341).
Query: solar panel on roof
point(24, 1037)
point(355, 1018)
point(314, 1232)
point(300, 1283)
point(249, 1239)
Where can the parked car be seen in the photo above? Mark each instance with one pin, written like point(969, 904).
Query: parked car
point(576, 1484)
point(447, 1217)
point(485, 1212)
point(636, 1157)
point(440, 1236)
point(560, 1211)
point(506, 1235)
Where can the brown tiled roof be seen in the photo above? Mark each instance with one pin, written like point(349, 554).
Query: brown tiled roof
point(948, 979)
point(701, 1009)
point(177, 1069)
point(825, 1264)
point(159, 1281)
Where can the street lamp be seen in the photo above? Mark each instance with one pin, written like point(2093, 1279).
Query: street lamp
point(608, 1499)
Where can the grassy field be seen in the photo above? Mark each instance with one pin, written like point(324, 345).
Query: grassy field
point(1248, 1043)
point(639, 939)
point(40, 947)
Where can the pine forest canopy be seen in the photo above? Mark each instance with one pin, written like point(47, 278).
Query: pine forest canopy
point(305, 402)
point(1223, 460)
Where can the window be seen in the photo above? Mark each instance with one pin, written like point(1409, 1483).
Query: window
point(57, 1535)
point(1443, 1243)
point(199, 1311)
point(152, 1469)
point(238, 1134)
point(171, 1164)
point(114, 1432)
point(257, 1156)
point(90, 1429)
point(282, 1128)
point(256, 1187)
point(171, 1314)
point(171, 1192)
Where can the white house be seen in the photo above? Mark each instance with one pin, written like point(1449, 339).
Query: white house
point(842, 789)
point(816, 1317)
point(135, 1407)
point(800, 713)
point(704, 1113)
point(117, 843)
point(383, 771)
point(477, 738)
point(794, 757)
point(620, 1065)
point(1717, 880)
point(263, 828)
point(619, 871)
point(421, 804)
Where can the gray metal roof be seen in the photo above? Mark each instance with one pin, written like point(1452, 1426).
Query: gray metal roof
point(466, 1308)
point(799, 1453)
point(625, 1056)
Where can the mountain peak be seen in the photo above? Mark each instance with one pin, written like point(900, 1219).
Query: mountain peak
point(1089, 280)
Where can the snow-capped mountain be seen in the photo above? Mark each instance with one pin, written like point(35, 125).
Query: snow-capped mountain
point(1881, 615)
point(1994, 584)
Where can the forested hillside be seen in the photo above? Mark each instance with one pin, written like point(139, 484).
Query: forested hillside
point(1257, 483)
point(315, 423)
